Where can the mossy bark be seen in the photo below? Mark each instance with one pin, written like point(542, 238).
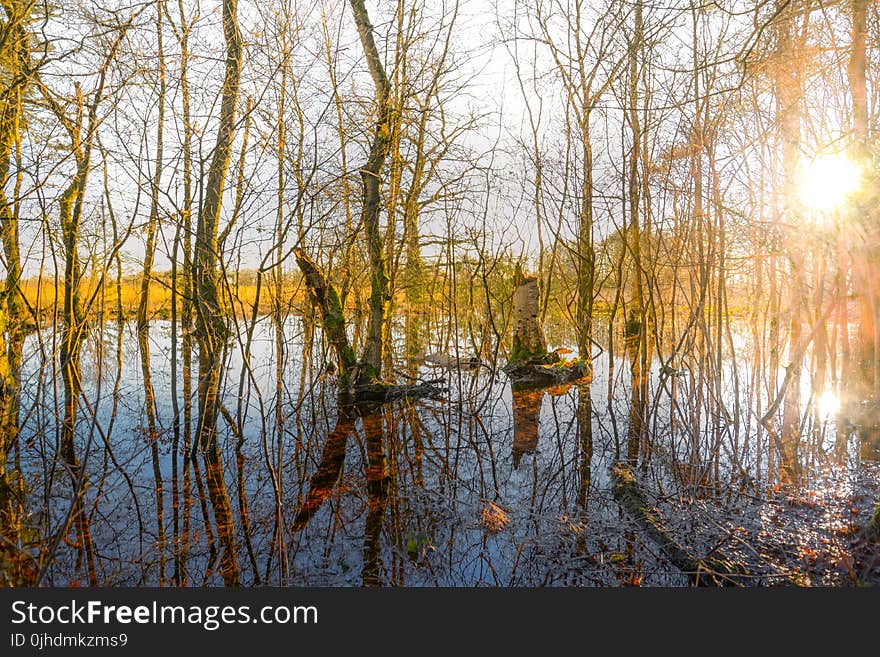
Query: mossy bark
point(371, 178)
point(530, 365)
point(701, 572)
point(329, 304)
point(15, 53)
point(358, 380)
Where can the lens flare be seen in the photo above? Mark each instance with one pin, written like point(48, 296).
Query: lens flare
point(826, 181)
point(828, 405)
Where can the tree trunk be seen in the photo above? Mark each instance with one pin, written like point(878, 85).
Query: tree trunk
point(183, 430)
point(635, 333)
point(371, 178)
point(414, 280)
point(857, 74)
point(868, 376)
point(143, 325)
point(529, 364)
point(211, 326)
point(529, 344)
point(69, 215)
point(865, 274)
point(586, 251)
point(788, 108)
point(11, 312)
point(326, 298)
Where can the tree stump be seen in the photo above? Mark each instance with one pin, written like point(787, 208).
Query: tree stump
point(530, 365)
point(529, 344)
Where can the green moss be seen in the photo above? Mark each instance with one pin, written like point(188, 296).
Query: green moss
point(873, 530)
point(367, 374)
point(520, 354)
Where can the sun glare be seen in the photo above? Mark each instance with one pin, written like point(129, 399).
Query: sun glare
point(828, 405)
point(827, 180)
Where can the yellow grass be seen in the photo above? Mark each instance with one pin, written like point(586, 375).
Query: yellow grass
point(46, 298)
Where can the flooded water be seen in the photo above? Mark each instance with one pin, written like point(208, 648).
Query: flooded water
point(482, 487)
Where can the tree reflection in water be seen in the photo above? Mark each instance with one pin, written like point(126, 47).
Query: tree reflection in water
point(393, 494)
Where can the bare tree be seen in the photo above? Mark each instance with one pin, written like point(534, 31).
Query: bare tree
point(211, 326)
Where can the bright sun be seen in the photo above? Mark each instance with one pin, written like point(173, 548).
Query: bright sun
point(828, 405)
point(827, 180)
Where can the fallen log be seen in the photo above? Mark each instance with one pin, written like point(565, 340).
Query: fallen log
point(451, 362)
point(526, 375)
point(381, 393)
point(700, 571)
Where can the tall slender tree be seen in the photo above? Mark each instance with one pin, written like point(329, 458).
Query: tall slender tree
point(211, 326)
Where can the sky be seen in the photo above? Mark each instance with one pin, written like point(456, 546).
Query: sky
point(498, 206)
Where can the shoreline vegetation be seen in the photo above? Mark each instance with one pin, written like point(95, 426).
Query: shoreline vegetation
point(240, 290)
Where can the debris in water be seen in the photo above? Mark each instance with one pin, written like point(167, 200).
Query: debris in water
point(494, 517)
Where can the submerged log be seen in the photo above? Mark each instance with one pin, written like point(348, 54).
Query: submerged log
point(452, 362)
point(701, 571)
point(381, 393)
